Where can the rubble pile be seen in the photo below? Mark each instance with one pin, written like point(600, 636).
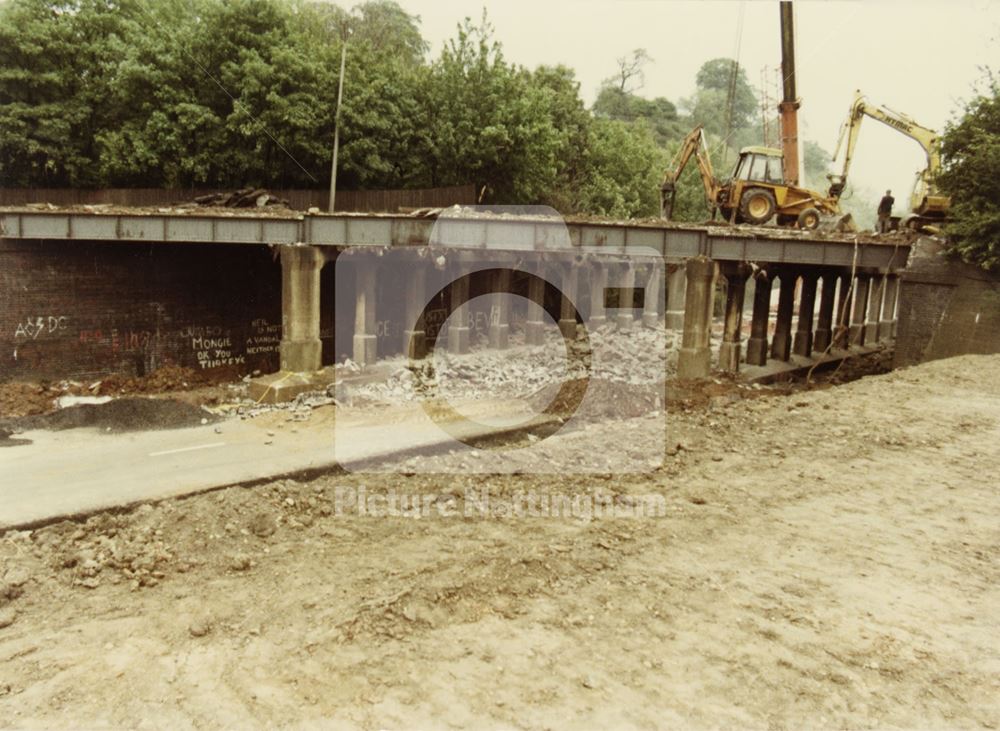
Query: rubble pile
point(134, 413)
point(639, 357)
point(23, 398)
point(298, 409)
point(242, 198)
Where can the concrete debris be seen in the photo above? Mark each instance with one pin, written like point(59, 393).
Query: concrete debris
point(65, 401)
point(298, 409)
point(243, 198)
point(638, 357)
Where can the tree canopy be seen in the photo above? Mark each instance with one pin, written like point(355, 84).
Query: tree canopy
point(724, 101)
point(184, 93)
point(971, 149)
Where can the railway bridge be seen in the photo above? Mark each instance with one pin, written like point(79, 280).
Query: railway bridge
point(833, 291)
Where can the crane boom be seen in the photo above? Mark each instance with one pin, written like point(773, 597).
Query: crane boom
point(926, 199)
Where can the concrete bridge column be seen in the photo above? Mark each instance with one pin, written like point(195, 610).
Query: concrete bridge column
point(458, 327)
point(534, 326)
point(364, 342)
point(823, 337)
point(757, 344)
point(807, 306)
point(301, 349)
point(857, 331)
point(415, 336)
point(729, 352)
point(695, 357)
point(842, 325)
point(651, 297)
point(886, 325)
point(676, 292)
point(598, 283)
point(781, 342)
point(875, 294)
point(567, 300)
point(626, 294)
point(499, 333)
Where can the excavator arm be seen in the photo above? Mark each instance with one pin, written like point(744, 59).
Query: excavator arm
point(926, 138)
point(694, 145)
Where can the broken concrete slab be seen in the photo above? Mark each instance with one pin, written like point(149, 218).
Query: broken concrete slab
point(284, 386)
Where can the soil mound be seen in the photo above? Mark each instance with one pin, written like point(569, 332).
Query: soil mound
point(120, 415)
point(598, 399)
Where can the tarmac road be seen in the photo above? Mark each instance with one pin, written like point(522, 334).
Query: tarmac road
point(77, 471)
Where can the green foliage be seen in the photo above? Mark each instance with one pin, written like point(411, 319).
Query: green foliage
point(816, 163)
point(660, 118)
point(623, 172)
point(572, 124)
point(971, 149)
point(55, 63)
point(659, 113)
point(710, 105)
point(389, 31)
point(487, 123)
point(229, 93)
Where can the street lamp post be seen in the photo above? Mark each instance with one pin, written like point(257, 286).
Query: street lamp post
point(336, 127)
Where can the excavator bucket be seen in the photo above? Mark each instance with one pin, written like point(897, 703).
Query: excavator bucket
point(840, 223)
point(668, 192)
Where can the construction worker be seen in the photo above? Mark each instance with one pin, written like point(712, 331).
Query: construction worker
point(885, 213)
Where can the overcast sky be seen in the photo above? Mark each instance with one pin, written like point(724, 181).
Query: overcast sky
point(920, 58)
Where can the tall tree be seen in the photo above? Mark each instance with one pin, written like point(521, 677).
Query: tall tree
point(390, 30)
point(571, 124)
point(724, 101)
point(660, 113)
point(489, 124)
point(624, 169)
point(631, 75)
point(57, 61)
point(971, 150)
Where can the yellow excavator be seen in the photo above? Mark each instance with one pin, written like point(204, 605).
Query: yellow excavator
point(928, 206)
point(756, 192)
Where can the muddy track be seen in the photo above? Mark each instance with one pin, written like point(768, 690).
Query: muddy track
point(827, 558)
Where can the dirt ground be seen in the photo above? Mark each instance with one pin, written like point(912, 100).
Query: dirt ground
point(20, 398)
point(823, 559)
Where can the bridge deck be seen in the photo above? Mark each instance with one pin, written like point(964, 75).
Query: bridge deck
point(470, 231)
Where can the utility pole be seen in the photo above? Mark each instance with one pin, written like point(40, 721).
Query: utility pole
point(336, 127)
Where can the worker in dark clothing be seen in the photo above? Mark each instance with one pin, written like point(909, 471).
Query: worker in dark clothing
point(885, 213)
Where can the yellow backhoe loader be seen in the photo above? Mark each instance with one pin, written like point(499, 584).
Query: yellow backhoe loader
point(928, 206)
point(756, 192)
point(765, 182)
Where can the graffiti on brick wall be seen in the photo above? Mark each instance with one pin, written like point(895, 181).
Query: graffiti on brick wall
point(46, 341)
point(120, 340)
point(477, 320)
point(32, 327)
point(263, 338)
point(213, 347)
